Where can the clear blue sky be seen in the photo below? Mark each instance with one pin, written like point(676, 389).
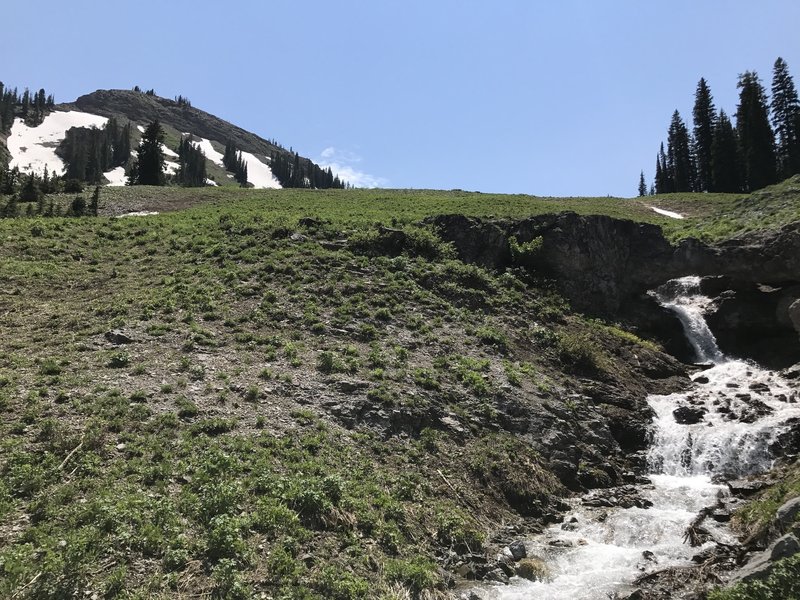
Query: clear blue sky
point(561, 97)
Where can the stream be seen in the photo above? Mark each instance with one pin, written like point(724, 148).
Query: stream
point(729, 418)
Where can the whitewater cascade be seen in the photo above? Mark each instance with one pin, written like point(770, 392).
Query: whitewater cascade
point(722, 426)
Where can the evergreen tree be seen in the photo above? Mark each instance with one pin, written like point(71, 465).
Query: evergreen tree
point(679, 155)
point(642, 185)
point(704, 114)
point(756, 141)
point(94, 205)
point(192, 164)
point(150, 160)
point(725, 161)
point(122, 146)
point(786, 120)
point(30, 192)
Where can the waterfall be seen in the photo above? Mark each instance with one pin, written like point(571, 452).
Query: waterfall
point(723, 425)
point(684, 298)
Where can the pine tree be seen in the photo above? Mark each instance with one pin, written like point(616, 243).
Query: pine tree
point(756, 141)
point(679, 155)
point(725, 160)
point(704, 114)
point(150, 162)
point(786, 120)
point(94, 205)
point(642, 185)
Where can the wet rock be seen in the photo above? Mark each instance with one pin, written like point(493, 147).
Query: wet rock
point(649, 556)
point(746, 487)
point(118, 337)
point(533, 569)
point(759, 387)
point(792, 372)
point(623, 497)
point(498, 576)
point(518, 550)
point(701, 380)
point(754, 411)
point(688, 415)
point(721, 515)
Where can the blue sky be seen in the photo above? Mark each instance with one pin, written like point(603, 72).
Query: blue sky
point(548, 98)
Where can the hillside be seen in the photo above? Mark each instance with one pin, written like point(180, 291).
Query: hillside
point(31, 144)
point(143, 108)
point(263, 392)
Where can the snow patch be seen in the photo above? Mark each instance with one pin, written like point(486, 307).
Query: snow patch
point(34, 148)
point(168, 151)
point(259, 173)
point(208, 150)
point(116, 177)
point(140, 128)
point(212, 183)
point(138, 213)
point(667, 213)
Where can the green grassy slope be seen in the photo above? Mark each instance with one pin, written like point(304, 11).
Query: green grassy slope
point(276, 426)
point(710, 217)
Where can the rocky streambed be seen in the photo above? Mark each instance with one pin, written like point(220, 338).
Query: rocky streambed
point(666, 534)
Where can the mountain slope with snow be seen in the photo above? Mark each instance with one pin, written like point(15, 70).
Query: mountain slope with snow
point(34, 148)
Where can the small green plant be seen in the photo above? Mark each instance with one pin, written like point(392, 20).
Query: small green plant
point(252, 394)
point(580, 353)
point(119, 360)
point(50, 367)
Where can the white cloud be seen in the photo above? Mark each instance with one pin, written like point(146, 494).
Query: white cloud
point(344, 164)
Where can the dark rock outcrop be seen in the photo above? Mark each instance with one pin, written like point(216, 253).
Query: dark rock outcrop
point(606, 266)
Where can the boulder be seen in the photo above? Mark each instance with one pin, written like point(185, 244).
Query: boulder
point(787, 514)
point(518, 550)
point(688, 415)
point(533, 569)
point(118, 337)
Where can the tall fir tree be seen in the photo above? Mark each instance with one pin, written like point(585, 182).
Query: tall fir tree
point(704, 115)
point(786, 120)
point(664, 182)
point(756, 141)
point(149, 168)
point(642, 185)
point(725, 160)
point(679, 155)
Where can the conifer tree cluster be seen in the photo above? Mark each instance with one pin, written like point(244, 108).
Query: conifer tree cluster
point(763, 146)
point(192, 164)
point(233, 162)
point(33, 108)
point(90, 152)
point(299, 172)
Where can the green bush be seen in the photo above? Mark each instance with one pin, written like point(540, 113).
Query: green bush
point(580, 353)
point(782, 584)
point(417, 573)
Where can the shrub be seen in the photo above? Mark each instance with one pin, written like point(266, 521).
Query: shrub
point(580, 353)
point(417, 573)
point(119, 360)
point(782, 583)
